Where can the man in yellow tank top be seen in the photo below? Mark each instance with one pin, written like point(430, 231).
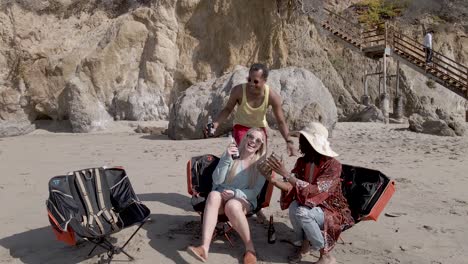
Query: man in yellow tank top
point(253, 99)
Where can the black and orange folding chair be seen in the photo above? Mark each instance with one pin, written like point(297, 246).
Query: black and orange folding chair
point(93, 204)
point(368, 191)
point(200, 182)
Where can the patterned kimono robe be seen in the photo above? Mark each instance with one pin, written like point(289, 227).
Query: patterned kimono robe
point(323, 189)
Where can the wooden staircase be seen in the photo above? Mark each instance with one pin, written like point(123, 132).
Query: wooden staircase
point(373, 43)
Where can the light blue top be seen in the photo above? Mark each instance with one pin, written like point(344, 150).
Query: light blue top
point(240, 183)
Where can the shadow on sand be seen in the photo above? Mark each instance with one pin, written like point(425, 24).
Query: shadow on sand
point(176, 200)
point(156, 137)
point(40, 246)
point(170, 235)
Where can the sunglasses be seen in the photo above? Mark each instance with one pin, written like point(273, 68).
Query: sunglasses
point(257, 141)
point(254, 81)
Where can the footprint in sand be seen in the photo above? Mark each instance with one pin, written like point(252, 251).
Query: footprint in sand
point(462, 202)
point(360, 251)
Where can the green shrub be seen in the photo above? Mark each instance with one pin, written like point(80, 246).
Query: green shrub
point(338, 63)
point(430, 83)
point(372, 12)
point(437, 19)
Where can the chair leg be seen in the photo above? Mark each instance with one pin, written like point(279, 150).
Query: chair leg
point(134, 233)
point(227, 231)
point(110, 255)
point(111, 249)
point(342, 240)
point(226, 235)
point(224, 231)
point(92, 250)
point(128, 255)
point(107, 246)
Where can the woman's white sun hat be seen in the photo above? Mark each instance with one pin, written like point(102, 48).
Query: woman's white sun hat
point(317, 136)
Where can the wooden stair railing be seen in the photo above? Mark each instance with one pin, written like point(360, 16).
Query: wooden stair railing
point(343, 28)
point(451, 74)
point(442, 67)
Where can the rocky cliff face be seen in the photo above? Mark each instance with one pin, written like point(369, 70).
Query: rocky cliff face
point(130, 59)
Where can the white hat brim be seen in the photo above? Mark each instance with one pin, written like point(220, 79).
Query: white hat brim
point(322, 149)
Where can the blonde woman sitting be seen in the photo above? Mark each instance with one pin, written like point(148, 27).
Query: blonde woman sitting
point(236, 185)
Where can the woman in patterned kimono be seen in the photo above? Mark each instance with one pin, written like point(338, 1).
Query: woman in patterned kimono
point(312, 191)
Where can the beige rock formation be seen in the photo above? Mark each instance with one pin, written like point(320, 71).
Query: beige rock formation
point(305, 99)
point(137, 56)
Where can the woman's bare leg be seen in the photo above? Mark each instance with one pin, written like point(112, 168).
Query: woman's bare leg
point(235, 210)
point(210, 218)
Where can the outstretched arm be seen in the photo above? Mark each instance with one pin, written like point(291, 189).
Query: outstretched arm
point(275, 101)
point(233, 99)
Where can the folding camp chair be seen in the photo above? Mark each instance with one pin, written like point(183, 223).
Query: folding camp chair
point(367, 191)
point(94, 203)
point(199, 184)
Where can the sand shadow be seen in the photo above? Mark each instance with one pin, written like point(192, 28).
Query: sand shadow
point(40, 246)
point(54, 126)
point(172, 199)
point(156, 137)
point(402, 129)
point(170, 235)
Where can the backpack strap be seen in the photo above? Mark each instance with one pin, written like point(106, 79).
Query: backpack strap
point(87, 202)
point(103, 203)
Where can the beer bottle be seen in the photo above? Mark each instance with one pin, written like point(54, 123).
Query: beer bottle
point(231, 140)
point(210, 127)
point(271, 232)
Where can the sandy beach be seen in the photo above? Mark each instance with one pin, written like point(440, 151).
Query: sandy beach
point(431, 197)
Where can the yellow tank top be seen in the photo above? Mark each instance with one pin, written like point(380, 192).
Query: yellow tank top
point(249, 116)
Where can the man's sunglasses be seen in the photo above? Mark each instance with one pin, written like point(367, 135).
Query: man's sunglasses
point(250, 80)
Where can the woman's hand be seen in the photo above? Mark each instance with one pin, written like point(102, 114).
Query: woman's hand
point(227, 194)
point(277, 166)
point(232, 149)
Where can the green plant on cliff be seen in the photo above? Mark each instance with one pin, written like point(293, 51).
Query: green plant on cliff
point(338, 63)
point(431, 84)
point(372, 12)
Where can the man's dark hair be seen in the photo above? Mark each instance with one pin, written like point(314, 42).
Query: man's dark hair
point(260, 67)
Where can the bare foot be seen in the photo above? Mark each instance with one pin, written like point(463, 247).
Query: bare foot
point(300, 252)
point(296, 257)
point(326, 259)
point(198, 252)
point(261, 218)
